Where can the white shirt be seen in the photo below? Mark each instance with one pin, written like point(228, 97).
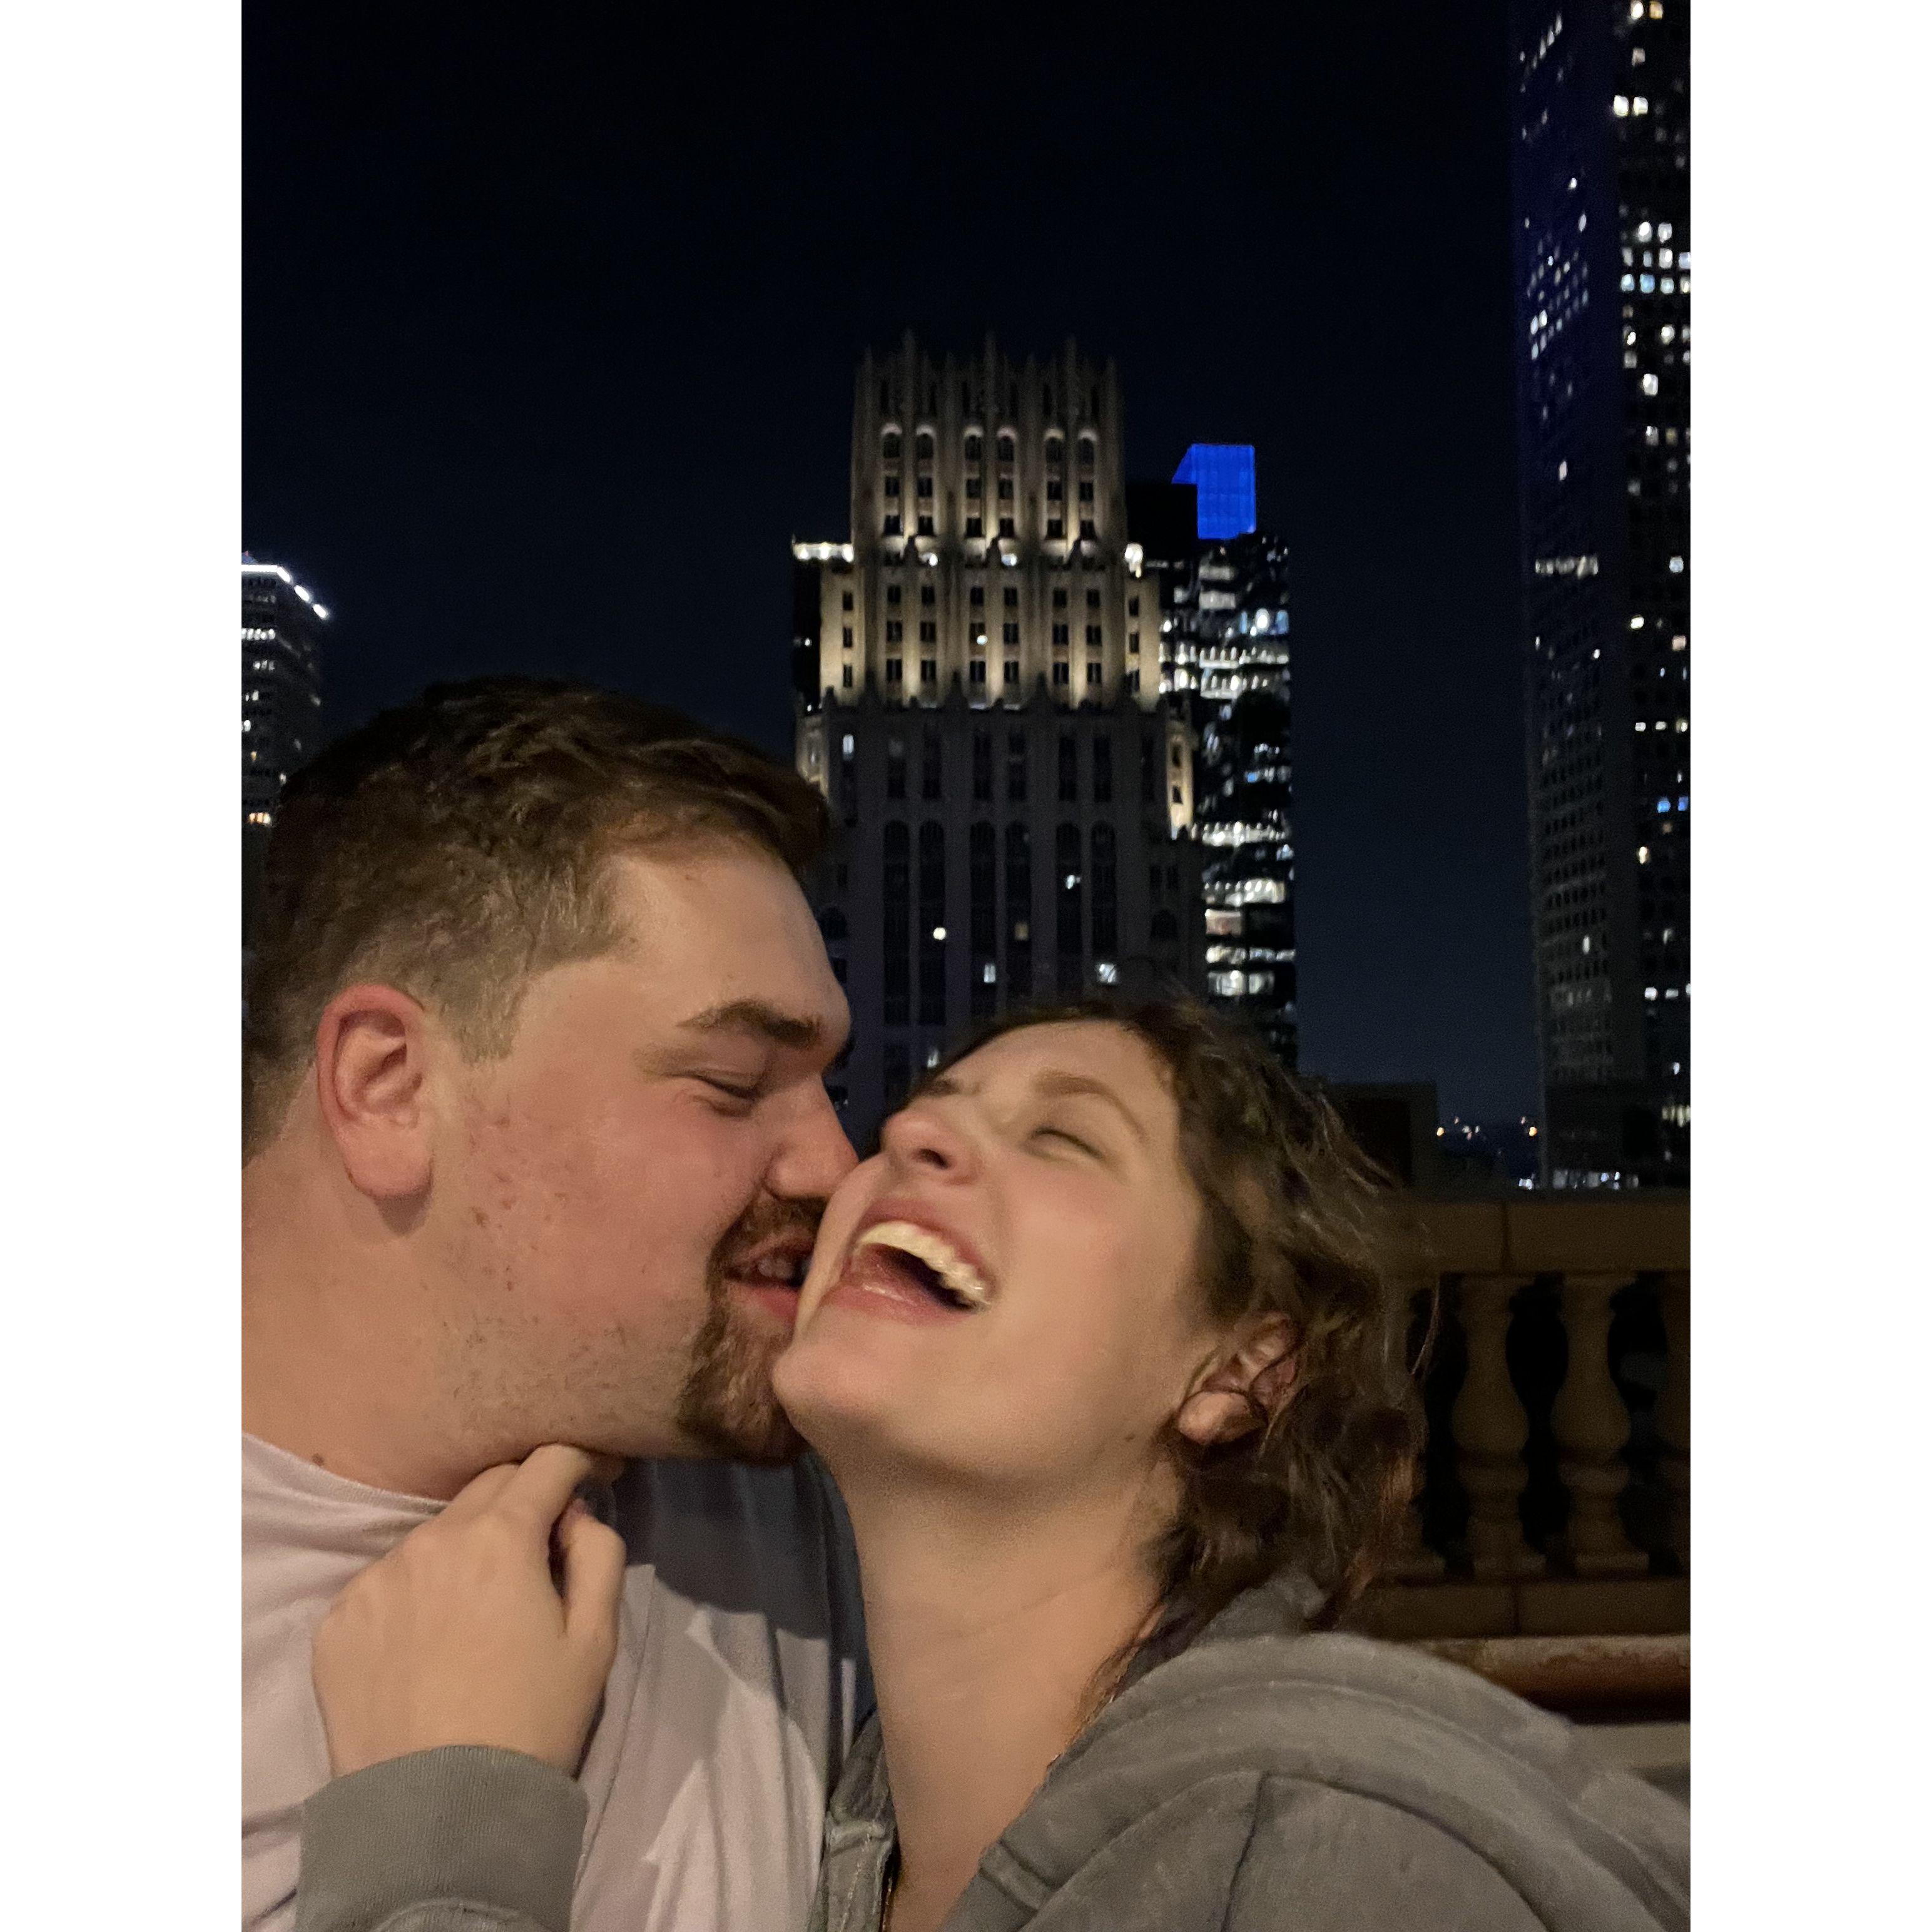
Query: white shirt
point(738, 1685)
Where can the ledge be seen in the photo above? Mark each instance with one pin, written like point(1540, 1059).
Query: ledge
point(1545, 1606)
point(1624, 1678)
point(1635, 1234)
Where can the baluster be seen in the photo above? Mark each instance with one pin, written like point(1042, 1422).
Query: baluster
point(1673, 1408)
point(1491, 1429)
point(1591, 1426)
point(1412, 1561)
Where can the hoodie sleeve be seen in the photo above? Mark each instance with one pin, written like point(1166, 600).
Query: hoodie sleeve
point(462, 1839)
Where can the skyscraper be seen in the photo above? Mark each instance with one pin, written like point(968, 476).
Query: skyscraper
point(983, 712)
point(1224, 669)
point(281, 698)
point(1602, 215)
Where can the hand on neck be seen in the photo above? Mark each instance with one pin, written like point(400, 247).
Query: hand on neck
point(987, 1625)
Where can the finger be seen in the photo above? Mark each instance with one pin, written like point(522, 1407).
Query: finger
point(535, 1496)
point(479, 1493)
point(594, 1558)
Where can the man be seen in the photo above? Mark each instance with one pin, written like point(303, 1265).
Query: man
point(535, 1139)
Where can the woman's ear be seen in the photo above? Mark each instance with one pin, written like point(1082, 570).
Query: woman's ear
point(1246, 1388)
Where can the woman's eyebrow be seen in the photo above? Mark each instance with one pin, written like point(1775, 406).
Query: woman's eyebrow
point(1075, 1086)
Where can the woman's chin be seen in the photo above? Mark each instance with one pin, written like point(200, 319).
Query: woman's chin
point(822, 1394)
point(844, 1406)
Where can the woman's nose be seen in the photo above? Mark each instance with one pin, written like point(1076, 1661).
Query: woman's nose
point(923, 1136)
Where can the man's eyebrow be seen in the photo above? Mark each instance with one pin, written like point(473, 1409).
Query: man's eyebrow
point(800, 1032)
point(1077, 1086)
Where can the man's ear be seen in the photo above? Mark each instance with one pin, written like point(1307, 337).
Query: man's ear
point(1246, 1389)
point(371, 1069)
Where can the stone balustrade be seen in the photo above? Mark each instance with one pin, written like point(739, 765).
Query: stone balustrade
point(1556, 1502)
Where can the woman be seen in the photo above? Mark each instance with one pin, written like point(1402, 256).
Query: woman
point(1100, 1350)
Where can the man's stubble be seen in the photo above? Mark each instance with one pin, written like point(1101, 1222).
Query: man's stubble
point(726, 1402)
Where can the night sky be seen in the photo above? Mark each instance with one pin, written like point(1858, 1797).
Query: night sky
point(550, 331)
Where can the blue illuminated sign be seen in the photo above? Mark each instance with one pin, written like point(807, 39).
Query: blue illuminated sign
point(1223, 476)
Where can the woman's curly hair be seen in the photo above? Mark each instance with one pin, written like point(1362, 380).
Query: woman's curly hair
point(1295, 1222)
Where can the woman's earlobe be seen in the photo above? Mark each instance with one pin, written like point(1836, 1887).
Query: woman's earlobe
point(1214, 1415)
point(1244, 1393)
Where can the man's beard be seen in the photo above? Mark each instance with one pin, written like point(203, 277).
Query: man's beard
point(726, 1402)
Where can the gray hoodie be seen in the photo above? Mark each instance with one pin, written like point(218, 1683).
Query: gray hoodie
point(1264, 1780)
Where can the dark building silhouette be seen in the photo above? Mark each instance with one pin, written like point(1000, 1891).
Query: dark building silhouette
point(281, 702)
point(978, 698)
point(1602, 217)
point(1392, 1123)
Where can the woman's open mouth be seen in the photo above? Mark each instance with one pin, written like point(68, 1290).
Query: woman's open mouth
point(900, 1267)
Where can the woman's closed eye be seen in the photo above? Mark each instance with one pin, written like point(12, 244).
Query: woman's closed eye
point(1053, 1132)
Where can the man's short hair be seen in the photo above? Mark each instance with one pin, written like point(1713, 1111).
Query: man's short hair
point(457, 845)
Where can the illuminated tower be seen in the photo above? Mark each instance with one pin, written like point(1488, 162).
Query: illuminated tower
point(1602, 220)
point(985, 717)
point(1224, 669)
point(281, 700)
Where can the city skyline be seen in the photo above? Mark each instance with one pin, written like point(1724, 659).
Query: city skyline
point(521, 405)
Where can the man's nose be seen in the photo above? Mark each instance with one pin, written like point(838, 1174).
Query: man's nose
point(816, 1155)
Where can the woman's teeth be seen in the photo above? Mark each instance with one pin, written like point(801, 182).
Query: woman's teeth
point(956, 1273)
